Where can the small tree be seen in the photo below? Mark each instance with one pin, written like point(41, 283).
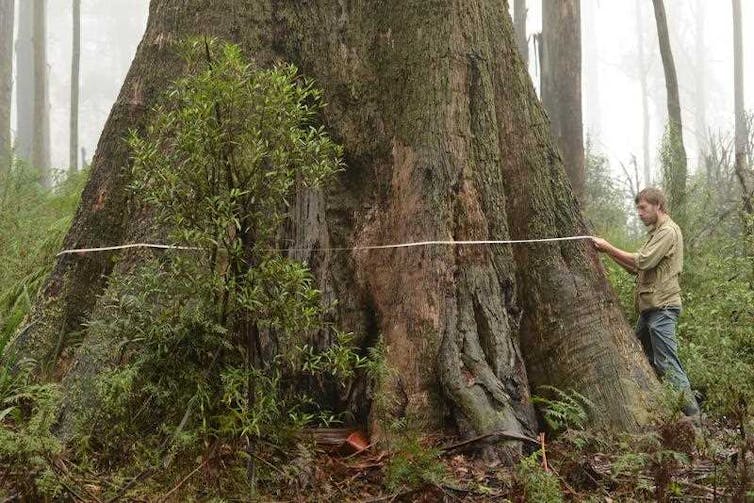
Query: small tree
point(673, 154)
point(214, 336)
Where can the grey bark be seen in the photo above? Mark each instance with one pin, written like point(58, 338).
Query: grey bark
point(745, 177)
point(643, 73)
point(700, 81)
point(675, 176)
point(25, 80)
point(73, 146)
point(561, 83)
point(40, 150)
point(593, 100)
point(6, 79)
point(444, 137)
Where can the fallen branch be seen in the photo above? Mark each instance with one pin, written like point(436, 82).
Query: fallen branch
point(544, 452)
point(511, 435)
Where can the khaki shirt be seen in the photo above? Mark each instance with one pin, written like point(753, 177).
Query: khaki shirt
point(659, 263)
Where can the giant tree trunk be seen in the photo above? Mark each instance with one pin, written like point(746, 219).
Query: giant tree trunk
point(6, 78)
point(444, 139)
point(73, 144)
point(561, 83)
point(675, 173)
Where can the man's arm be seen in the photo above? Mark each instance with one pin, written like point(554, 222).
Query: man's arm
point(621, 257)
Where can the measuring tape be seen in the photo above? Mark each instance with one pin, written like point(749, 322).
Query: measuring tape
point(354, 248)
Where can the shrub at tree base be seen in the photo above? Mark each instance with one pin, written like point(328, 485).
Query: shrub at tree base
point(213, 341)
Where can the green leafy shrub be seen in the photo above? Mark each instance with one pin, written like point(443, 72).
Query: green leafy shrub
point(214, 339)
point(412, 465)
point(537, 484)
point(565, 411)
point(33, 222)
point(27, 446)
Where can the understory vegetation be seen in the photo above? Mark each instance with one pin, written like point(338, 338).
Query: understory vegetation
point(205, 396)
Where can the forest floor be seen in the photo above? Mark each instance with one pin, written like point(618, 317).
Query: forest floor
point(672, 462)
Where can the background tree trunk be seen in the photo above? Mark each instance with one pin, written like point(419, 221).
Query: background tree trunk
point(519, 14)
point(700, 81)
point(643, 73)
point(73, 147)
point(6, 79)
point(742, 136)
point(40, 151)
point(561, 83)
point(675, 173)
point(32, 132)
point(591, 68)
point(444, 138)
point(25, 80)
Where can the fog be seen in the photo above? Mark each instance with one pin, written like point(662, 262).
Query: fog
point(112, 29)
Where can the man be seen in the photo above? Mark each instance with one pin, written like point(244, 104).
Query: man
point(658, 264)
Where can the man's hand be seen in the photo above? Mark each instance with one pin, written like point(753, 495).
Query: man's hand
point(622, 258)
point(600, 244)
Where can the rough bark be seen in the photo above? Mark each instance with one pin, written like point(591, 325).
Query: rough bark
point(6, 79)
point(73, 144)
point(519, 21)
point(444, 138)
point(40, 146)
point(561, 83)
point(675, 178)
point(745, 177)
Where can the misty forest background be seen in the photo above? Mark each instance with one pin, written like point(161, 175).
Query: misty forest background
point(621, 123)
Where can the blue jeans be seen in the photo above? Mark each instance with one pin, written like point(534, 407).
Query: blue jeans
point(656, 331)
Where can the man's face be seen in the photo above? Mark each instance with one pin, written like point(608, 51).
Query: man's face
point(647, 212)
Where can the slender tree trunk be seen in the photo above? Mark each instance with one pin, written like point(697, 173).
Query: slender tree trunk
point(561, 83)
point(6, 79)
point(675, 169)
point(643, 72)
point(591, 87)
point(444, 138)
point(519, 14)
point(744, 174)
point(25, 80)
point(40, 151)
point(73, 147)
point(700, 80)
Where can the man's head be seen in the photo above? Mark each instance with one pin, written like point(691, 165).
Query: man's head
point(650, 205)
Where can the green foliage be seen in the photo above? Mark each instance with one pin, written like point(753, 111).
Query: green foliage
point(674, 172)
point(33, 221)
point(717, 327)
point(215, 341)
point(413, 465)
point(605, 205)
point(566, 411)
point(538, 485)
point(27, 446)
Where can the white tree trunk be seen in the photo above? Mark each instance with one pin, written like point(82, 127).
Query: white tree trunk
point(6, 78)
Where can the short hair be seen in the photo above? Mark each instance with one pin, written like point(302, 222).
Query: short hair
point(653, 196)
